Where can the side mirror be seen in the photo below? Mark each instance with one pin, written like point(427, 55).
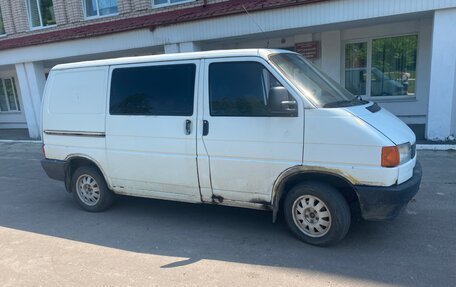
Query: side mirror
point(280, 102)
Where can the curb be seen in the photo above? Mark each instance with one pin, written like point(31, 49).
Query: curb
point(21, 141)
point(436, 146)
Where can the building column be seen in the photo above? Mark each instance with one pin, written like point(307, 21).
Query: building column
point(442, 97)
point(189, 47)
point(31, 79)
point(182, 47)
point(172, 48)
point(330, 54)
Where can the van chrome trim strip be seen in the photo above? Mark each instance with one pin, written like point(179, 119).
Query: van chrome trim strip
point(75, 133)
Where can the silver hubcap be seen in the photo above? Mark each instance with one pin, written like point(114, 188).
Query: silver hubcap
point(88, 190)
point(311, 216)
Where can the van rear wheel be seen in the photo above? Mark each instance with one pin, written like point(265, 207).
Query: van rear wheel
point(90, 189)
point(317, 213)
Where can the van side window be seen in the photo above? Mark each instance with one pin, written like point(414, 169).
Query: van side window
point(156, 90)
point(240, 89)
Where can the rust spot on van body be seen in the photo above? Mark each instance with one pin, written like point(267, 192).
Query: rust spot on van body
point(309, 168)
point(278, 186)
point(265, 205)
point(217, 198)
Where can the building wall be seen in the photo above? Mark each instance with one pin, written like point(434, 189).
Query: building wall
point(453, 119)
point(333, 23)
point(8, 17)
point(442, 86)
point(70, 14)
point(19, 18)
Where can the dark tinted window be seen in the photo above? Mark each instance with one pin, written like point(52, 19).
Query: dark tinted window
point(158, 90)
point(240, 89)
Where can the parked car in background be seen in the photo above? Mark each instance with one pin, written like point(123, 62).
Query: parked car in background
point(381, 84)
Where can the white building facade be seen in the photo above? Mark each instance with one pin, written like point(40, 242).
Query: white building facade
point(408, 46)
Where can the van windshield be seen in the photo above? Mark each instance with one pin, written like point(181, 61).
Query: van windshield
point(320, 89)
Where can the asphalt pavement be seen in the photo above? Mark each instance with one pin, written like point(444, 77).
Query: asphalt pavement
point(47, 240)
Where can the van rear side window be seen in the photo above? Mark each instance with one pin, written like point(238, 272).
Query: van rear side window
point(167, 90)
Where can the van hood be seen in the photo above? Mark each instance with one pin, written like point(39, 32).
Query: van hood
point(385, 122)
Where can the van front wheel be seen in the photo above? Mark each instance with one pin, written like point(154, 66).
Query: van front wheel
point(317, 213)
point(90, 189)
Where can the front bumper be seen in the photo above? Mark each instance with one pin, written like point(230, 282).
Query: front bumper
point(384, 203)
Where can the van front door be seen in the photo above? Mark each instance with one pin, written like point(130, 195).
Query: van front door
point(150, 130)
point(248, 142)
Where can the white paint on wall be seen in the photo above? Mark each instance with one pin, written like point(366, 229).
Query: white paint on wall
point(31, 81)
point(171, 48)
point(453, 120)
point(331, 54)
point(442, 79)
point(189, 47)
point(182, 47)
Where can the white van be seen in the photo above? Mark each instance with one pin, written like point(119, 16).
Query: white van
point(258, 128)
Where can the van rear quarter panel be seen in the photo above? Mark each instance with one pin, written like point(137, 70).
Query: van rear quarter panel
point(75, 102)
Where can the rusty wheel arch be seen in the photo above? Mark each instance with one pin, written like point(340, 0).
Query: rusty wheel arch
point(298, 174)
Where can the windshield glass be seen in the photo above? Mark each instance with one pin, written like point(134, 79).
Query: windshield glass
point(320, 89)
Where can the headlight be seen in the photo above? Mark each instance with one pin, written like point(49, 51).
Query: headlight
point(405, 152)
point(393, 156)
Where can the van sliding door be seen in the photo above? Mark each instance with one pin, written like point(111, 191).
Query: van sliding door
point(151, 130)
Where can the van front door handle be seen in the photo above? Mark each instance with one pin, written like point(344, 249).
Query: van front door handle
point(188, 127)
point(205, 128)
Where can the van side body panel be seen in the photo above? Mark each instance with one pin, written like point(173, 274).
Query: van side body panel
point(74, 114)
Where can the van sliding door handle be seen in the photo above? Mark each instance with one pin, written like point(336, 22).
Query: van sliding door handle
point(205, 128)
point(188, 127)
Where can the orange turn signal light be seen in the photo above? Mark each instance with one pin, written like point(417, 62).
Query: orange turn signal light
point(390, 156)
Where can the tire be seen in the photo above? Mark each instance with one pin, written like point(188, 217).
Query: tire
point(317, 213)
point(90, 190)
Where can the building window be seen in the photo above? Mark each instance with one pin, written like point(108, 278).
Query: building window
point(391, 62)
point(2, 25)
point(161, 3)
point(9, 100)
point(99, 8)
point(41, 13)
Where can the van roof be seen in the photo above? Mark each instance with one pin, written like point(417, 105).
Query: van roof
point(172, 57)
